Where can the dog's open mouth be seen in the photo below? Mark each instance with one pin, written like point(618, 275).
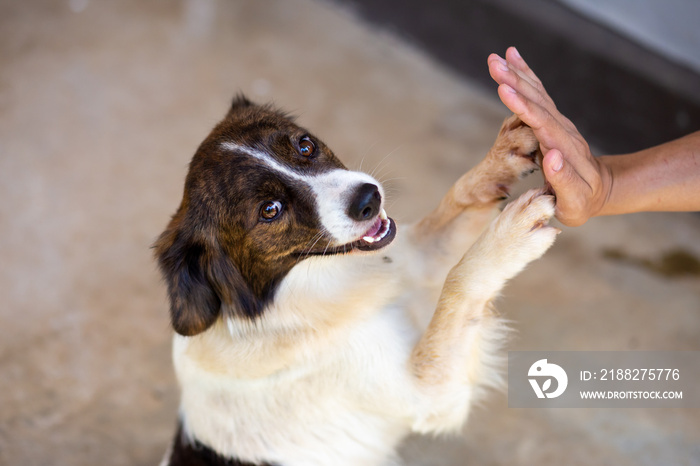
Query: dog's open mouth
point(380, 234)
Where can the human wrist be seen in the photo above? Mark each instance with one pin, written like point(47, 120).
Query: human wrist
point(605, 204)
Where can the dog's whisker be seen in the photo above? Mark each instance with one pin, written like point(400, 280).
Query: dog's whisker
point(378, 172)
point(325, 251)
point(384, 162)
point(315, 240)
point(311, 248)
point(306, 251)
point(389, 180)
point(367, 151)
point(317, 237)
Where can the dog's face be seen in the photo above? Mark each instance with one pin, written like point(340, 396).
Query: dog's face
point(261, 195)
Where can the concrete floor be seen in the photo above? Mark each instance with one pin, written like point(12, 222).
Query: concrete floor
point(102, 104)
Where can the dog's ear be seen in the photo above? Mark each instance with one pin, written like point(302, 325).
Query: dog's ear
point(240, 101)
point(200, 279)
point(194, 304)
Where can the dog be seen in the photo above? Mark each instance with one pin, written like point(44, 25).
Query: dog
point(310, 330)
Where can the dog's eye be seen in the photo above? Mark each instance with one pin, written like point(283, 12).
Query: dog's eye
point(270, 210)
point(306, 147)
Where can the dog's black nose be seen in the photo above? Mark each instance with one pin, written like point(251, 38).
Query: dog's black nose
point(365, 203)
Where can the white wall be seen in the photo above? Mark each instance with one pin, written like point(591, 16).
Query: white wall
point(670, 27)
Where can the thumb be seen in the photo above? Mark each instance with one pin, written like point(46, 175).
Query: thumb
point(569, 189)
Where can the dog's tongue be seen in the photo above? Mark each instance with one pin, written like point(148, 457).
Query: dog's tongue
point(374, 229)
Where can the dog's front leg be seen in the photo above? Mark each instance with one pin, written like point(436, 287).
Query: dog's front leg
point(438, 241)
point(451, 361)
point(471, 202)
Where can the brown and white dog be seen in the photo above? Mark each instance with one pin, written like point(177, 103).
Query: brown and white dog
point(308, 331)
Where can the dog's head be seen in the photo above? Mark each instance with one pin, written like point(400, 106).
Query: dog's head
point(261, 195)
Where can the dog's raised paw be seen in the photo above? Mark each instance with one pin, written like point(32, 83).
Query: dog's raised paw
point(522, 232)
point(514, 154)
point(517, 147)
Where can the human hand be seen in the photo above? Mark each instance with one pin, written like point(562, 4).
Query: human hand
point(581, 183)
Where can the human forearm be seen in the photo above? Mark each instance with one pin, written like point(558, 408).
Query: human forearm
point(661, 178)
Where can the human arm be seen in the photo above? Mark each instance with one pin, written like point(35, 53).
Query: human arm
point(661, 178)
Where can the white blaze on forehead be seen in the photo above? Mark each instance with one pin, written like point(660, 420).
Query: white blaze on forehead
point(333, 191)
point(264, 158)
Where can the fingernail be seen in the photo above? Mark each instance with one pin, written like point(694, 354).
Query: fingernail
point(508, 89)
point(558, 162)
point(517, 54)
point(502, 64)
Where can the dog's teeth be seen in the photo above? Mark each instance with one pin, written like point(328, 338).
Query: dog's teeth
point(382, 214)
point(368, 239)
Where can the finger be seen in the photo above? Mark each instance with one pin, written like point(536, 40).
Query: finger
point(548, 130)
point(515, 102)
point(513, 57)
point(570, 189)
point(498, 65)
point(516, 62)
point(504, 73)
point(498, 68)
point(535, 83)
point(495, 57)
point(552, 163)
point(523, 69)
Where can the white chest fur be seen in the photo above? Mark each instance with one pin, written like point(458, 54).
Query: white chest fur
point(337, 373)
point(351, 392)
